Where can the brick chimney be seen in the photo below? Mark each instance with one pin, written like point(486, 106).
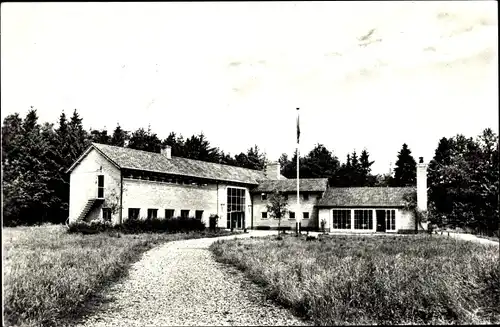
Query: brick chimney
point(421, 184)
point(272, 170)
point(167, 151)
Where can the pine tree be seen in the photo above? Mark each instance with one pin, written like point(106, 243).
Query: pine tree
point(11, 132)
point(99, 136)
point(440, 201)
point(176, 143)
point(26, 192)
point(119, 137)
point(405, 173)
point(78, 136)
point(320, 163)
point(256, 159)
point(145, 140)
point(198, 147)
point(366, 178)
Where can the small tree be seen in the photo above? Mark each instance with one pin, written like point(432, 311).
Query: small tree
point(277, 207)
point(410, 204)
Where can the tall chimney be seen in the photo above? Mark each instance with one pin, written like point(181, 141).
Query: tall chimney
point(421, 184)
point(272, 170)
point(167, 151)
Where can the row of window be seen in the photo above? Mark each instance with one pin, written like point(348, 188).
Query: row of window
point(291, 215)
point(305, 196)
point(135, 213)
point(165, 179)
point(363, 219)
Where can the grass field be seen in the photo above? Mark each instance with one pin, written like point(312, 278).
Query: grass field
point(417, 279)
point(50, 276)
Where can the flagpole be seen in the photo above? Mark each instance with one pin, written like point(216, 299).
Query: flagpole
point(298, 220)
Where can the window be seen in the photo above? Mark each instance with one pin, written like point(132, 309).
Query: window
point(169, 213)
point(291, 214)
point(263, 196)
point(341, 219)
point(306, 196)
point(199, 214)
point(133, 213)
point(363, 219)
point(152, 213)
point(236, 207)
point(305, 215)
point(106, 214)
point(264, 215)
point(390, 219)
point(184, 213)
point(100, 186)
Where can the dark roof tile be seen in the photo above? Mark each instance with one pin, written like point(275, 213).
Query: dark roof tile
point(290, 185)
point(365, 196)
point(156, 162)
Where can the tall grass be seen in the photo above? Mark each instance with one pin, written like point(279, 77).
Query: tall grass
point(51, 275)
point(374, 280)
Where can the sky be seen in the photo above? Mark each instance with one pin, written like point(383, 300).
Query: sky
point(368, 75)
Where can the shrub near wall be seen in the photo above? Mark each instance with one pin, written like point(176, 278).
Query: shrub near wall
point(131, 226)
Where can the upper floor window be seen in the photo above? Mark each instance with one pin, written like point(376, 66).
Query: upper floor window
point(305, 215)
point(263, 196)
point(291, 214)
point(305, 196)
point(264, 215)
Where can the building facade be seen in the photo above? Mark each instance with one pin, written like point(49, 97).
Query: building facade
point(115, 184)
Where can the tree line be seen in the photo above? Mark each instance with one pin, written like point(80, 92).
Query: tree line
point(354, 172)
point(463, 176)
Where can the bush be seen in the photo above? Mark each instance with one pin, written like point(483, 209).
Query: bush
point(213, 222)
point(133, 226)
point(263, 227)
point(92, 227)
point(283, 229)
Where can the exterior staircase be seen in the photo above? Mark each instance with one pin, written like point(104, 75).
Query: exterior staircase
point(88, 207)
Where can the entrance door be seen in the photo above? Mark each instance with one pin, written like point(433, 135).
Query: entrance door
point(236, 220)
point(380, 220)
point(100, 186)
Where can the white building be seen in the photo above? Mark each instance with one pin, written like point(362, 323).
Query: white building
point(115, 183)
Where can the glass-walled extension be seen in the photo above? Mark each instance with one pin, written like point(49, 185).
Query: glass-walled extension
point(235, 207)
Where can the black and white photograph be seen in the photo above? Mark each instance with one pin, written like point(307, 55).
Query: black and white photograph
point(250, 163)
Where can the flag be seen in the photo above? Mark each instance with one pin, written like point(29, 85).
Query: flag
point(298, 127)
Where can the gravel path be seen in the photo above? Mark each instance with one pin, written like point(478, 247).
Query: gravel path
point(179, 284)
point(470, 237)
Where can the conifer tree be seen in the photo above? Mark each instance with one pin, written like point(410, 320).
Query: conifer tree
point(405, 173)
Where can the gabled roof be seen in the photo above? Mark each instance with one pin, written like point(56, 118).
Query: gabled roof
point(290, 185)
point(365, 196)
point(126, 158)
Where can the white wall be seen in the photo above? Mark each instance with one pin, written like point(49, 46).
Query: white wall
point(260, 206)
point(83, 185)
point(145, 194)
point(404, 220)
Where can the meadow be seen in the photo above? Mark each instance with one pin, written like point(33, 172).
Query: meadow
point(52, 277)
point(407, 279)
